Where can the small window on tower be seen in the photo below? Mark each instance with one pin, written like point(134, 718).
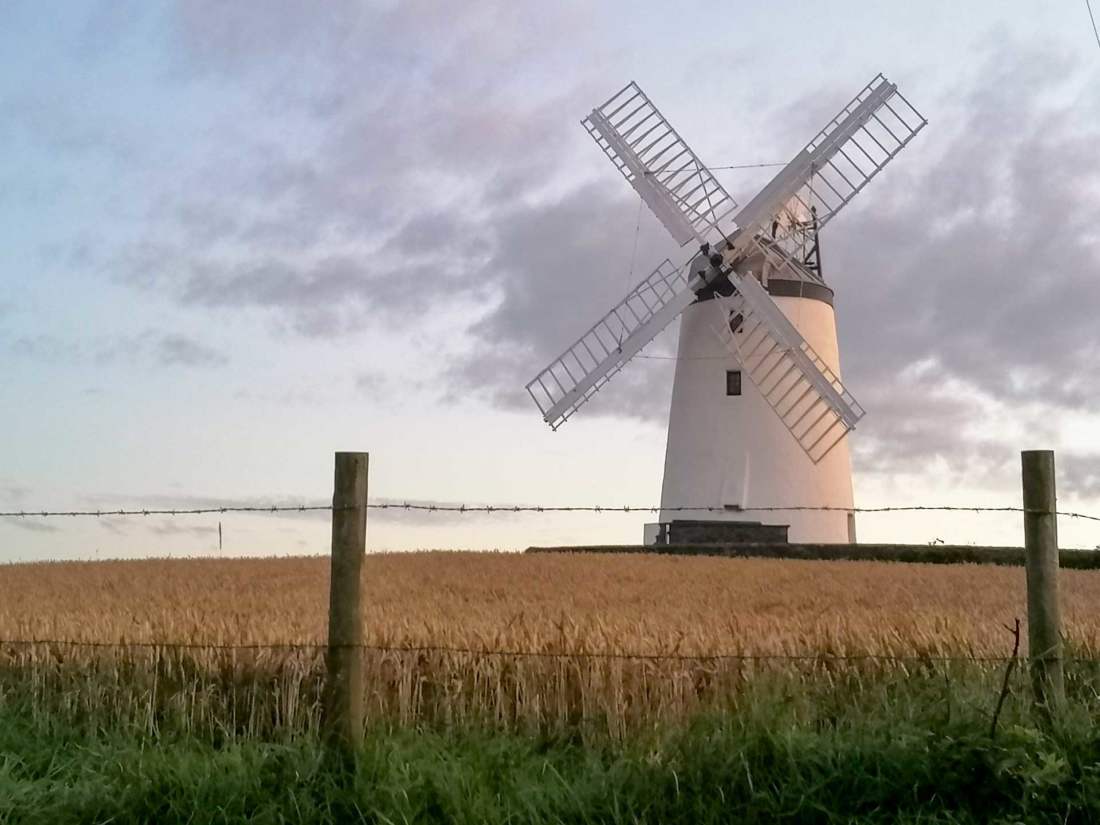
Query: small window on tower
point(733, 382)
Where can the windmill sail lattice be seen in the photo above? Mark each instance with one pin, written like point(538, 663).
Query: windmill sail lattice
point(832, 168)
point(797, 384)
point(579, 372)
point(654, 159)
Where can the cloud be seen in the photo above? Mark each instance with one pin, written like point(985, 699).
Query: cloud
point(346, 204)
point(451, 201)
point(558, 268)
point(43, 348)
point(326, 298)
point(980, 260)
point(31, 525)
point(179, 350)
point(164, 349)
point(165, 527)
point(119, 526)
point(1079, 476)
point(14, 492)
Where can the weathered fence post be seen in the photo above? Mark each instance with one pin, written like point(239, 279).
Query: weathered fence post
point(1044, 624)
point(343, 690)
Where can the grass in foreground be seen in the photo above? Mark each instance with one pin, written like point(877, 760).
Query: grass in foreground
point(891, 753)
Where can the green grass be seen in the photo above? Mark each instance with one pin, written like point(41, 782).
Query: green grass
point(913, 749)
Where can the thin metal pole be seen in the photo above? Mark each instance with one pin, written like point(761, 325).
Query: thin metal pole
point(1044, 624)
point(343, 694)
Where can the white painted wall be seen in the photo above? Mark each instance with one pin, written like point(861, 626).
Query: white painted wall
point(733, 450)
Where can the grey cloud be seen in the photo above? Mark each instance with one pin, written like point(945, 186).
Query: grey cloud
point(405, 179)
point(913, 424)
point(119, 526)
point(66, 133)
point(14, 492)
point(437, 228)
point(31, 525)
point(179, 350)
point(980, 260)
point(171, 528)
point(330, 297)
point(43, 347)
point(1079, 476)
point(558, 267)
point(372, 382)
point(160, 348)
point(311, 396)
point(163, 349)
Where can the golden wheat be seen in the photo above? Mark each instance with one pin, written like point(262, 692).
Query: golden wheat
point(564, 605)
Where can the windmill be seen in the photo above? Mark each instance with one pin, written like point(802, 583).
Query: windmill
point(753, 303)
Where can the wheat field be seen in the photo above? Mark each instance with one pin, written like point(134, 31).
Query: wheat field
point(569, 632)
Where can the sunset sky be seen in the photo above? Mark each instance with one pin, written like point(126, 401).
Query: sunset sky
point(238, 237)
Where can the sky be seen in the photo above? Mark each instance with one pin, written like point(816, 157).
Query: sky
point(237, 238)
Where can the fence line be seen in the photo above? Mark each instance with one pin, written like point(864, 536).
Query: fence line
point(538, 654)
point(509, 508)
point(342, 710)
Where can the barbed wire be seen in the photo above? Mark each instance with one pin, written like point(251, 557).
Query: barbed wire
point(196, 511)
point(536, 654)
point(467, 508)
point(532, 508)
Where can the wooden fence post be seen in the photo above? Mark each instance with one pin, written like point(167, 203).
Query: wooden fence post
point(1044, 624)
point(343, 690)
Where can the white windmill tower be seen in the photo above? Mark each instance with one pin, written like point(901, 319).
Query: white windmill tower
point(753, 305)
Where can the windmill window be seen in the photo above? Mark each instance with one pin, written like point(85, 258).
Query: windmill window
point(733, 382)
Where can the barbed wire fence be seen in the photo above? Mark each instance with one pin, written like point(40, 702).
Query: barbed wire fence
point(532, 654)
point(528, 508)
point(350, 504)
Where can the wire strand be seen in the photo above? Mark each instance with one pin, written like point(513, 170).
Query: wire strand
point(502, 508)
point(197, 511)
point(1095, 32)
point(697, 168)
point(515, 508)
point(518, 653)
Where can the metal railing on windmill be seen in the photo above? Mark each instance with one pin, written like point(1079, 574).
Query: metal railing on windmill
point(752, 301)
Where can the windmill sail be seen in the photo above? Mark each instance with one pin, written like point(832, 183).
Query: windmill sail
point(586, 365)
point(839, 162)
point(654, 159)
point(807, 397)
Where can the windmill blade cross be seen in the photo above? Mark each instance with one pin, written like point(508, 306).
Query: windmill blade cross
point(819, 181)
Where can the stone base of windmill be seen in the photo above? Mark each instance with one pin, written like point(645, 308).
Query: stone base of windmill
point(694, 531)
